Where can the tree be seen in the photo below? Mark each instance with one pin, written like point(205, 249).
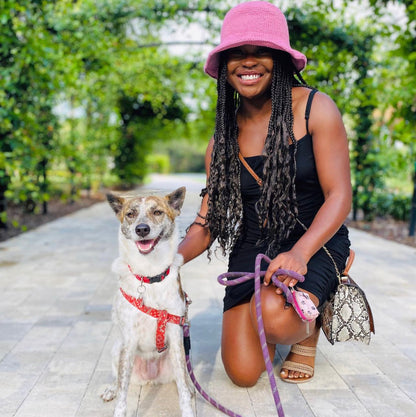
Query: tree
point(400, 83)
point(341, 64)
point(78, 53)
point(105, 61)
point(27, 124)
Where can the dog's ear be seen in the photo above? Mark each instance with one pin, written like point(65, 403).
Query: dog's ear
point(116, 202)
point(176, 199)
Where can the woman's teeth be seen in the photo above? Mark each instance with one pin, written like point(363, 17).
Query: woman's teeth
point(250, 77)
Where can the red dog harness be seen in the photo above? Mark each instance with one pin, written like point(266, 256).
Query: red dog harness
point(162, 316)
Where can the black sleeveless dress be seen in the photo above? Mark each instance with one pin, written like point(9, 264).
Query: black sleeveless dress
point(321, 278)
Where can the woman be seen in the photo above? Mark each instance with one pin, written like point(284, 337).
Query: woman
point(293, 138)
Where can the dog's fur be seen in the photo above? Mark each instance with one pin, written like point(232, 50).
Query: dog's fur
point(148, 240)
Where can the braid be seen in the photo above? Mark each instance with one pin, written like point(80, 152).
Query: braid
point(277, 207)
point(225, 205)
point(277, 203)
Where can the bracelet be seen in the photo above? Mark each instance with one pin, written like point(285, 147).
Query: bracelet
point(196, 224)
point(201, 216)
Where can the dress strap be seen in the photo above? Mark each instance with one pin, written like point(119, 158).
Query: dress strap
point(308, 108)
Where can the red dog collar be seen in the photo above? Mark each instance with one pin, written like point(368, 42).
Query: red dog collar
point(151, 280)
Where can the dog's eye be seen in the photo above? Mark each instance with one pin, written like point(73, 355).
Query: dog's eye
point(130, 214)
point(157, 212)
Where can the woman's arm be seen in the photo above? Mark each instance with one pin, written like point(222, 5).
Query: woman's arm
point(197, 238)
point(330, 147)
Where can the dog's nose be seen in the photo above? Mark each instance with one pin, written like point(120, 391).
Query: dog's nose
point(142, 229)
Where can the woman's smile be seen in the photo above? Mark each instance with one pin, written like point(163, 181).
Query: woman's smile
point(245, 77)
point(250, 77)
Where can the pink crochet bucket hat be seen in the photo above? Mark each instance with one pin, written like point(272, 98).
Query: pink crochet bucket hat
point(257, 23)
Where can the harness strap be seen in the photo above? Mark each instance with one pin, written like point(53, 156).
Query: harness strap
point(162, 316)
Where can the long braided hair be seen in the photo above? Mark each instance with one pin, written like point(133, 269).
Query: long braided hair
point(276, 208)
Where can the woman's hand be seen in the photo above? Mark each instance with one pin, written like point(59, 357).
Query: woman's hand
point(292, 260)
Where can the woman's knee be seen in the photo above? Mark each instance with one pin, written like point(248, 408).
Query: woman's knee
point(241, 373)
point(240, 348)
point(282, 325)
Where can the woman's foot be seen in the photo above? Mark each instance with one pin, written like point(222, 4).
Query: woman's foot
point(299, 364)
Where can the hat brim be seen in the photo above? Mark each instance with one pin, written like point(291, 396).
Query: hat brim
point(211, 66)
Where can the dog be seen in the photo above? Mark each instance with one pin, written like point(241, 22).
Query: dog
point(150, 305)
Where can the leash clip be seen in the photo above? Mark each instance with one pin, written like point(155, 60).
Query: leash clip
point(188, 301)
point(184, 320)
point(160, 350)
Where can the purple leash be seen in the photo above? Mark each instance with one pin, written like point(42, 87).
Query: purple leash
point(216, 404)
point(240, 277)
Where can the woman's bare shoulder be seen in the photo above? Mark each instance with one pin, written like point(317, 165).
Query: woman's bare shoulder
point(324, 111)
point(300, 97)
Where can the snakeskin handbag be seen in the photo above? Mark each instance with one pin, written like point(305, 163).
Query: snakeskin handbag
point(347, 315)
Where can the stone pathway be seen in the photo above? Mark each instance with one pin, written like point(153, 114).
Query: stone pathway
point(56, 333)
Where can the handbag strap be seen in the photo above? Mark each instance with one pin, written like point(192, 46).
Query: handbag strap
point(332, 259)
point(250, 170)
point(350, 260)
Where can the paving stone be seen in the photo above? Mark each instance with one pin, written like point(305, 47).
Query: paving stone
point(381, 396)
point(335, 403)
point(15, 387)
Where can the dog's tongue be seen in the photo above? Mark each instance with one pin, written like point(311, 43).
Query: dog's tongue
point(145, 246)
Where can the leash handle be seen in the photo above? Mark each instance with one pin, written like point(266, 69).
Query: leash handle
point(240, 277)
point(245, 276)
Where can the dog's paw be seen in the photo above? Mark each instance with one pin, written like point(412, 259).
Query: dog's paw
point(109, 394)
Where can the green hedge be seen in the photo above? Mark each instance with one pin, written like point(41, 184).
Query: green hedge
point(178, 156)
point(392, 205)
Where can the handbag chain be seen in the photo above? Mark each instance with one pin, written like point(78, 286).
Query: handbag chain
point(327, 252)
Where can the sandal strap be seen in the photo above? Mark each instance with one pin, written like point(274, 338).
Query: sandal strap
point(303, 350)
point(298, 367)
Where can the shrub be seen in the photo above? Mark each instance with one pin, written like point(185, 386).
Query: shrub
point(390, 204)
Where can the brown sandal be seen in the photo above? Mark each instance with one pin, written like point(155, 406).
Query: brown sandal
point(299, 367)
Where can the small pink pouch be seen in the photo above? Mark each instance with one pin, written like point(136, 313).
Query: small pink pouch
point(304, 306)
